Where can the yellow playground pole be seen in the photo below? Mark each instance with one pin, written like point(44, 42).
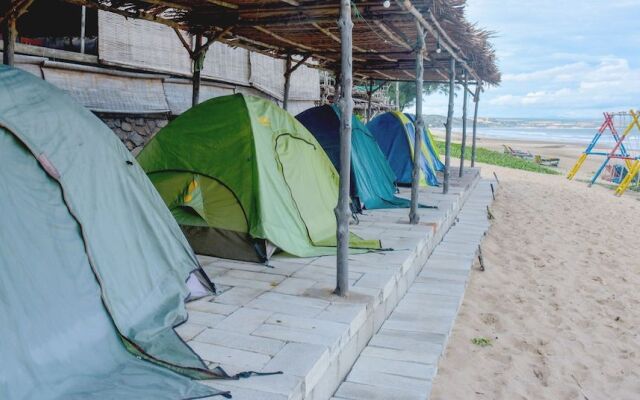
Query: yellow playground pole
point(577, 166)
point(624, 185)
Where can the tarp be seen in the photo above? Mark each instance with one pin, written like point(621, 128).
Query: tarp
point(372, 180)
point(394, 133)
point(263, 173)
point(91, 261)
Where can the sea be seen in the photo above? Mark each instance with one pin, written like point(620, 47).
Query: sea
point(561, 135)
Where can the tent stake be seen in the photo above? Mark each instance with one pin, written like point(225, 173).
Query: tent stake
point(346, 105)
point(447, 142)
point(414, 218)
point(463, 145)
point(476, 100)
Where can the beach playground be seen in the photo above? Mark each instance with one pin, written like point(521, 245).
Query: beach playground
point(317, 200)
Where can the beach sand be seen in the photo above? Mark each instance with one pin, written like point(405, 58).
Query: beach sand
point(559, 299)
point(568, 153)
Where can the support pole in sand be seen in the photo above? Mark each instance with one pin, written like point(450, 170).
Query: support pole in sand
point(414, 218)
point(287, 83)
point(398, 96)
point(342, 210)
point(9, 34)
point(83, 23)
point(447, 142)
point(289, 70)
point(197, 55)
point(476, 100)
point(463, 145)
point(369, 96)
point(198, 60)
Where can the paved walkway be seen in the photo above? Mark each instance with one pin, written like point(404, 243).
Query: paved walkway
point(286, 318)
point(401, 359)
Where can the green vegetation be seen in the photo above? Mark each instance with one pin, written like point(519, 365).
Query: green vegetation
point(481, 341)
point(496, 158)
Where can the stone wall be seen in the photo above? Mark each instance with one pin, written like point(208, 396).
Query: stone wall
point(134, 131)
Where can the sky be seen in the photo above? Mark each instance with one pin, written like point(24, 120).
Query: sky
point(569, 59)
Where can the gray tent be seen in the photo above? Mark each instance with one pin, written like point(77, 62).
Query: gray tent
point(92, 263)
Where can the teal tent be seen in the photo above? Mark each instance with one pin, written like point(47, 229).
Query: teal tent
point(372, 179)
point(92, 264)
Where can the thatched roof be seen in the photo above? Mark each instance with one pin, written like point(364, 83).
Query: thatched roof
point(384, 39)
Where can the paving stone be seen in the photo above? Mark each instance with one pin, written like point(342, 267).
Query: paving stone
point(189, 330)
point(293, 335)
point(294, 305)
point(239, 295)
point(203, 318)
point(221, 354)
point(211, 307)
point(245, 320)
point(272, 279)
point(228, 280)
point(358, 391)
point(288, 385)
point(352, 314)
point(313, 325)
point(308, 361)
point(393, 367)
point(382, 379)
point(244, 393)
point(241, 341)
point(417, 356)
point(294, 286)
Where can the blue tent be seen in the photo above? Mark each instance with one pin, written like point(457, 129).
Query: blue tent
point(394, 133)
point(372, 179)
point(427, 139)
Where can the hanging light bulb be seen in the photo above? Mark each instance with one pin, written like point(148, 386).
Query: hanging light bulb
point(386, 4)
point(438, 49)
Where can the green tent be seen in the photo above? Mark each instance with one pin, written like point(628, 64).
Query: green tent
point(92, 264)
point(243, 178)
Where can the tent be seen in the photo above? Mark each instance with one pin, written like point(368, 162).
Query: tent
point(372, 180)
point(394, 132)
point(243, 177)
point(429, 143)
point(92, 263)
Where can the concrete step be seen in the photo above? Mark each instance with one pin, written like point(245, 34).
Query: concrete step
point(401, 359)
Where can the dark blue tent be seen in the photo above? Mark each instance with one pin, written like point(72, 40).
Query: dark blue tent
point(372, 180)
point(394, 133)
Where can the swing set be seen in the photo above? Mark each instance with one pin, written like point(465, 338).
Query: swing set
point(622, 162)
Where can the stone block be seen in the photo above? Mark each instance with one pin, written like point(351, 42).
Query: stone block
point(241, 341)
point(244, 320)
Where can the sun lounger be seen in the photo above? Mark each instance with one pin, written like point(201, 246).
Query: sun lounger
point(517, 153)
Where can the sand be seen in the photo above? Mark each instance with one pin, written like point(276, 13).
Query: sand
point(567, 152)
point(560, 298)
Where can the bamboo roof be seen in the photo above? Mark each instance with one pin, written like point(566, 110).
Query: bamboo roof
point(384, 38)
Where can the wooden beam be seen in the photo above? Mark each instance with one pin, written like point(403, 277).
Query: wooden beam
point(476, 100)
point(414, 218)
point(285, 40)
point(16, 9)
point(465, 86)
point(223, 4)
point(9, 34)
point(342, 210)
point(447, 141)
point(186, 45)
point(408, 6)
point(392, 36)
point(291, 2)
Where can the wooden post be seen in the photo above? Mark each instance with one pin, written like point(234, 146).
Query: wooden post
point(476, 100)
point(369, 96)
point(9, 34)
point(342, 210)
point(287, 83)
point(447, 142)
point(463, 145)
point(83, 23)
point(398, 96)
point(414, 218)
point(197, 59)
